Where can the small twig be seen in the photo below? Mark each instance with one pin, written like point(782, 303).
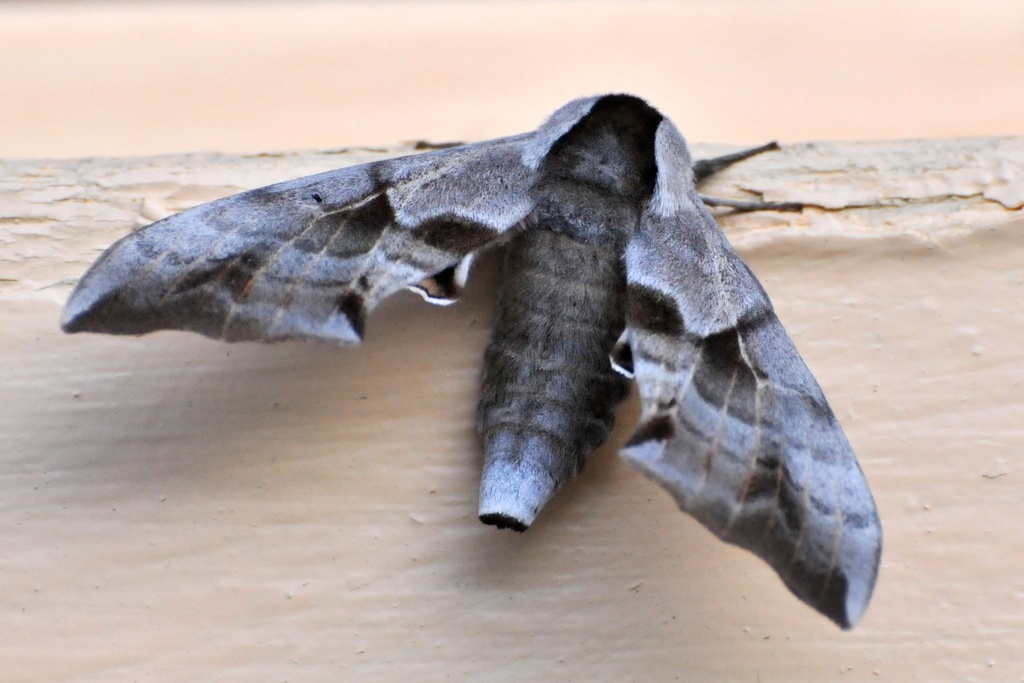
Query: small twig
point(741, 206)
point(704, 168)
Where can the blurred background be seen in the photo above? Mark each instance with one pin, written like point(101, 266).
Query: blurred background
point(132, 78)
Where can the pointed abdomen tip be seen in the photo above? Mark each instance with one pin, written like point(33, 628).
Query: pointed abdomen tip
point(503, 521)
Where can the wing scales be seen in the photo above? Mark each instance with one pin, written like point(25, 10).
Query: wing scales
point(307, 258)
point(733, 423)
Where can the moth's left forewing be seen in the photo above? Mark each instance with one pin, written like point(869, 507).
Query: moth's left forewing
point(457, 205)
point(309, 258)
point(733, 423)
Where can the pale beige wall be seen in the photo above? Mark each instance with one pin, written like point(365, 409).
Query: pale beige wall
point(176, 509)
point(88, 78)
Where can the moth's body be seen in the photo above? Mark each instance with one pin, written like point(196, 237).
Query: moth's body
point(609, 245)
point(549, 392)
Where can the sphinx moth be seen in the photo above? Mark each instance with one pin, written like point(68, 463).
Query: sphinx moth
point(610, 254)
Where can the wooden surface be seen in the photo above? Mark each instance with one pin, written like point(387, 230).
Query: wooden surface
point(173, 508)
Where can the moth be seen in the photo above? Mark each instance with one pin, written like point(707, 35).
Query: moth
point(610, 254)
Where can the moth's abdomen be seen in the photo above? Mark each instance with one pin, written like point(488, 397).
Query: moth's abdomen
point(549, 392)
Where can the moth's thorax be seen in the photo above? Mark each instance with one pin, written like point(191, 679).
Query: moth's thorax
point(597, 177)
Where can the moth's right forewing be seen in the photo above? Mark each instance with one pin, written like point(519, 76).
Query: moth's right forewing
point(307, 258)
point(733, 423)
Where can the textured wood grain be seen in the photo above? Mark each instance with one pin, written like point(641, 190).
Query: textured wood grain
point(176, 509)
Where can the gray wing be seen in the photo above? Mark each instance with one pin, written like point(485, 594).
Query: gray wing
point(309, 258)
point(733, 423)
